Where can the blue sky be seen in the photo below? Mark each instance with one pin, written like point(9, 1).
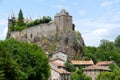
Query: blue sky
point(94, 19)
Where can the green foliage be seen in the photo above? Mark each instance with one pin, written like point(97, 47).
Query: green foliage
point(12, 26)
point(20, 19)
point(22, 61)
point(79, 75)
point(115, 75)
point(106, 51)
point(45, 19)
point(105, 76)
point(113, 66)
point(69, 66)
point(117, 41)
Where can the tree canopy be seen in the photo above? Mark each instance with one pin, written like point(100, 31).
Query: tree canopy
point(22, 61)
point(79, 75)
point(106, 51)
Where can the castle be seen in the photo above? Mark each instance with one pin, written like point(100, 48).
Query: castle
point(61, 21)
point(57, 35)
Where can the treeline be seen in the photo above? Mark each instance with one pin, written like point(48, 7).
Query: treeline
point(106, 51)
point(20, 23)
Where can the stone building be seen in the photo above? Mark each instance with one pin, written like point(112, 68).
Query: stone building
point(94, 70)
point(63, 19)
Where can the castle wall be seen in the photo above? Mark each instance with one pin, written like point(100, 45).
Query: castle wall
point(44, 30)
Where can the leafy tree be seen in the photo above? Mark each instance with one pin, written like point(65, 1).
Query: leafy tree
point(69, 66)
point(22, 61)
point(79, 75)
point(105, 76)
point(117, 41)
point(46, 19)
point(115, 75)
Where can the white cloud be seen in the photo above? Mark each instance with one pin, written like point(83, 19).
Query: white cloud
point(94, 30)
point(106, 4)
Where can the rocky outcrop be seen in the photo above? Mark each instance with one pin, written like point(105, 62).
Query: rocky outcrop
point(68, 41)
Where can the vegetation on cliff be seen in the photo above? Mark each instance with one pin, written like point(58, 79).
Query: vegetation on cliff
point(20, 24)
point(22, 61)
point(44, 19)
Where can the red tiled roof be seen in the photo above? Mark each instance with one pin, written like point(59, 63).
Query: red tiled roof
point(53, 59)
point(81, 62)
point(57, 64)
point(96, 67)
point(102, 63)
point(61, 71)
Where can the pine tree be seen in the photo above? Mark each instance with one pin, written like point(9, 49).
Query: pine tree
point(20, 19)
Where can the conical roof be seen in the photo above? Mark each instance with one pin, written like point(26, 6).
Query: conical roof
point(11, 15)
point(62, 12)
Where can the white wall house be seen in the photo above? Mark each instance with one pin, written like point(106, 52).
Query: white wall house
point(60, 55)
point(59, 74)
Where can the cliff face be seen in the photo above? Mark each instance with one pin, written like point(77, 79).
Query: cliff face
point(68, 41)
point(51, 40)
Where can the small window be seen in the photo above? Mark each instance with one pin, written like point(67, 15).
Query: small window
point(31, 36)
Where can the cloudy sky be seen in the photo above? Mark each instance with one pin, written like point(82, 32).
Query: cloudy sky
point(94, 19)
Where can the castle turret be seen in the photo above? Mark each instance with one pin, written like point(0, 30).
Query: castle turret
point(11, 19)
point(63, 20)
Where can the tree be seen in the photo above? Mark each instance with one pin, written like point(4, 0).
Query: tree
point(69, 66)
point(23, 61)
point(79, 75)
point(105, 76)
point(117, 41)
point(20, 23)
point(115, 75)
point(20, 18)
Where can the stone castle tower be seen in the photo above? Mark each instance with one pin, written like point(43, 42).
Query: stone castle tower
point(11, 19)
point(63, 19)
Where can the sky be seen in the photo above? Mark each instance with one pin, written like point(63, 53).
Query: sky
point(94, 19)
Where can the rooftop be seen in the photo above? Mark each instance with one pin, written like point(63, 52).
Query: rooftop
point(62, 12)
point(81, 62)
point(96, 67)
point(103, 63)
point(61, 71)
point(57, 64)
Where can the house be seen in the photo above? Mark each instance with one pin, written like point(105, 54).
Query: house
point(94, 70)
point(105, 63)
point(82, 63)
point(56, 65)
point(59, 74)
point(60, 55)
point(58, 70)
point(58, 60)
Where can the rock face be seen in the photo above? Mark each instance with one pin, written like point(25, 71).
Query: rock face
point(68, 41)
point(57, 36)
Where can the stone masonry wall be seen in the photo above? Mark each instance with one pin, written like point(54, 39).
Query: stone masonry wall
point(43, 30)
